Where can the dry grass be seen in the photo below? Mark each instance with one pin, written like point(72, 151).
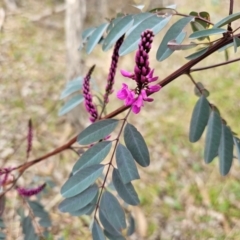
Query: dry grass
point(181, 197)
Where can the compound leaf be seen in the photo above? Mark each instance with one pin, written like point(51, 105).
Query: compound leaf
point(97, 131)
point(94, 155)
point(136, 145)
point(199, 119)
point(126, 165)
point(125, 191)
point(97, 232)
point(81, 180)
point(95, 37)
point(112, 210)
point(79, 201)
point(172, 33)
point(213, 136)
point(225, 151)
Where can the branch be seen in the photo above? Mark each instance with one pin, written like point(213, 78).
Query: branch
point(214, 65)
point(185, 69)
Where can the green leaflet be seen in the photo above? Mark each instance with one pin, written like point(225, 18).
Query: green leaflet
point(108, 225)
point(87, 33)
point(71, 87)
point(136, 145)
point(97, 131)
point(88, 209)
point(168, 52)
point(131, 226)
point(213, 136)
point(125, 191)
point(227, 20)
point(71, 104)
point(40, 212)
point(199, 119)
point(172, 33)
point(117, 31)
point(126, 165)
point(138, 19)
point(28, 229)
point(2, 235)
point(236, 42)
point(155, 23)
point(97, 232)
point(79, 201)
point(112, 210)
point(94, 155)
point(80, 181)
point(113, 23)
point(237, 144)
point(95, 37)
point(225, 151)
point(207, 32)
point(197, 54)
point(112, 236)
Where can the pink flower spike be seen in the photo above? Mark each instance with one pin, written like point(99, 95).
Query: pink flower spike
point(127, 74)
point(154, 88)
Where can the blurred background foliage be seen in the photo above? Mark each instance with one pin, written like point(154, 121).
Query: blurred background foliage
point(181, 197)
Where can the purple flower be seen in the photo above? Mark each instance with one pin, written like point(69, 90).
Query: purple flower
point(29, 137)
point(30, 192)
point(90, 107)
point(126, 94)
point(143, 75)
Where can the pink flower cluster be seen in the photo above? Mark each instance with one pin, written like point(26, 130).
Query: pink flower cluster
point(143, 75)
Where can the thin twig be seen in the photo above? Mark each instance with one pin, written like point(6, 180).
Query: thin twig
point(196, 85)
point(214, 65)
